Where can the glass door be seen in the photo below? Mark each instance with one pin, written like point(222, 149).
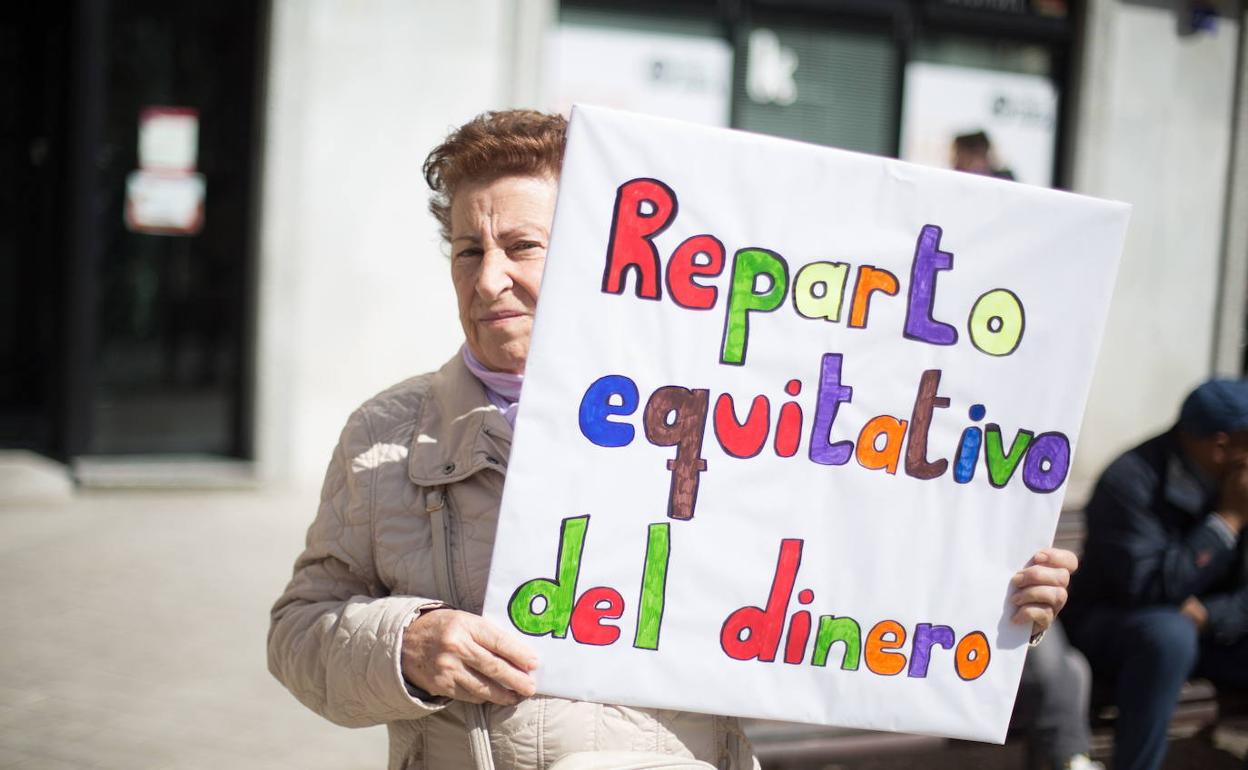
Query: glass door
point(174, 195)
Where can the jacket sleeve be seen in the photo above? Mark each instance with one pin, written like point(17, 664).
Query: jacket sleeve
point(1143, 562)
point(335, 635)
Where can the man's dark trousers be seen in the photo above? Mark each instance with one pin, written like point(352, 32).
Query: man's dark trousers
point(1150, 652)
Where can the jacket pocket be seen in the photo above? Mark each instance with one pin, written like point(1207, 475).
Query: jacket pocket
point(407, 745)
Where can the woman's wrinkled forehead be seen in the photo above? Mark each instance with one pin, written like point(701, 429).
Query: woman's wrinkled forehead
point(503, 204)
point(467, 185)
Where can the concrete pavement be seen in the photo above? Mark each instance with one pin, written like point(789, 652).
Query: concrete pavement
point(132, 636)
point(133, 628)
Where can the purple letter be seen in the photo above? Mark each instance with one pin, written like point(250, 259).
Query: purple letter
point(831, 394)
point(926, 635)
point(1046, 463)
point(928, 258)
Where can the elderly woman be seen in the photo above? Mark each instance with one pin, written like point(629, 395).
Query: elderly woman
point(381, 621)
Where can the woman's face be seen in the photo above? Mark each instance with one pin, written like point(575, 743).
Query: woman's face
point(499, 233)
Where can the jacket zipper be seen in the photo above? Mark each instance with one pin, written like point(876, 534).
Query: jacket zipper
point(478, 726)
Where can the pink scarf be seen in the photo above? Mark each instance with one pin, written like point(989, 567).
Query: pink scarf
point(501, 388)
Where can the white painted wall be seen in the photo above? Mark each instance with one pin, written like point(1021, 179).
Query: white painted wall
point(1154, 130)
point(354, 290)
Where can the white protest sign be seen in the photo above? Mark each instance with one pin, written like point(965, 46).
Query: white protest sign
point(792, 418)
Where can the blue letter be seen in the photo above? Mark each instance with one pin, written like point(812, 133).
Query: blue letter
point(596, 407)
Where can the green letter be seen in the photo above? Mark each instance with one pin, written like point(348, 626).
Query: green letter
point(653, 587)
point(833, 629)
point(1001, 465)
point(747, 266)
point(553, 618)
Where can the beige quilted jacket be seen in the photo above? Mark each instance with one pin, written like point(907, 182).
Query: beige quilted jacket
point(407, 519)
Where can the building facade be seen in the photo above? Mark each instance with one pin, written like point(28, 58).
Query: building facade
point(315, 278)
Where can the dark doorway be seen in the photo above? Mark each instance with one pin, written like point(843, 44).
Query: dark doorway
point(33, 72)
point(171, 311)
point(121, 339)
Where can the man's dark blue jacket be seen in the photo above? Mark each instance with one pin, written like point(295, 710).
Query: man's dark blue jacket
point(1153, 540)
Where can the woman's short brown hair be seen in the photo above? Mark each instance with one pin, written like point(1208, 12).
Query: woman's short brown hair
point(490, 146)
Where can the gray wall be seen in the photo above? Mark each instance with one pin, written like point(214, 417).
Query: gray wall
point(355, 292)
point(1153, 129)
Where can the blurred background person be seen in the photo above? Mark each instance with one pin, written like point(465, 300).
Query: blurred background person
point(973, 154)
point(1163, 592)
point(1052, 705)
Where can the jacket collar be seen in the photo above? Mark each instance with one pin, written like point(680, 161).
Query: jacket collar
point(458, 431)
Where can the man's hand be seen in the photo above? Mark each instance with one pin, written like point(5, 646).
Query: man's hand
point(1233, 501)
point(1195, 611)
point(466, 657)
point(1041, 587)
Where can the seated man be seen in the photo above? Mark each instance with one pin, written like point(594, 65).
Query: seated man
point(1163, 590)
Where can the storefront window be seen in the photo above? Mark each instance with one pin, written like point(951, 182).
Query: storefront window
point(989, 107)
point(817, 83)
point(673, 67)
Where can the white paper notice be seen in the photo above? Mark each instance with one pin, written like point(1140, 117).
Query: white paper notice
point(792, 419)
point(168, 139)
point(164, 204)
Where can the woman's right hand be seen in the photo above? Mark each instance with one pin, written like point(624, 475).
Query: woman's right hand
point(466, 657)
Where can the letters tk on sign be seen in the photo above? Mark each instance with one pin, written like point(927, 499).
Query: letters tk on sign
point(792, 419)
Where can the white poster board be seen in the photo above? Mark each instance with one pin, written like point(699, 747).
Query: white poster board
point(1017, 111)
point(843, 556)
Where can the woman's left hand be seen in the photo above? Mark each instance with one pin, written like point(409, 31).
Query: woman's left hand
point(1042, 586)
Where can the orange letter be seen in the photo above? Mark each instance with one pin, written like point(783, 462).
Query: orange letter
point(972, 655)
point(879, 658)
point(870, 279)
point(894, 432)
